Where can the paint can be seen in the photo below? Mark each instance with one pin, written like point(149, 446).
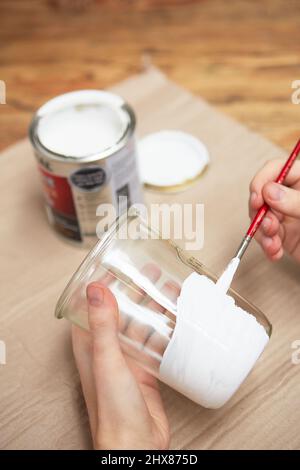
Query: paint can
point(84, 144)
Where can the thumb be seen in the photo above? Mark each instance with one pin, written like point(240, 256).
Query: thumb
point(103, 322)
point(282, 199)
point(116, 387)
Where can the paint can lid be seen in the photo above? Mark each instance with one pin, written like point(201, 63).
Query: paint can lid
point(171, 160)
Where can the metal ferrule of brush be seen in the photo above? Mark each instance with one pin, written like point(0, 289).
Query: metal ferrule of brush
point(243, 246)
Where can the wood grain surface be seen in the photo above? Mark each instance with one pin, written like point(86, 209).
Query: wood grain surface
point(242, 55)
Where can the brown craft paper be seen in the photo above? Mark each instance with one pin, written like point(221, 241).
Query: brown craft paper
point(41, 404)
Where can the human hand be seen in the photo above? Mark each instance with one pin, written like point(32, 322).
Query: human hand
point(280, 229)
point(123, 401)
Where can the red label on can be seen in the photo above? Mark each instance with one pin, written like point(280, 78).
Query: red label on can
point(59, 199)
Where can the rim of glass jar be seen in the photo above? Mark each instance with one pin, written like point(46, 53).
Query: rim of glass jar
point(189, 261)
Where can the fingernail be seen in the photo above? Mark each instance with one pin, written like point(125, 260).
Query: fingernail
point(95, 296)
point(275, 192)
point(253, 196)
point(266, 223)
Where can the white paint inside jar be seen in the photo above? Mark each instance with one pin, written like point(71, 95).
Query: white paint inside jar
point(215, 343)
point(81, 130)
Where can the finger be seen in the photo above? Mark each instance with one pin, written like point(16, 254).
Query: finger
point(143, 333)
point(124, 403)
point(252, 210)
point(151, 392)
point(117, 391)
point(103, 320)
point(282, 199)
point(108, 278)
point(267, 246)
point(269, 173)
point(152, 272)
point(155, 341)
point(270, 225)
point(171, 290)
point(254, 203)
point(259, 233)
point(78, 301)
point(279, 216)
point(272, 247)
point(82, 349)
point(277, 256)
point(135, 293)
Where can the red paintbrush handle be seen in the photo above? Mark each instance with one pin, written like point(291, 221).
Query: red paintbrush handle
point(257, 220)
point(280, 179)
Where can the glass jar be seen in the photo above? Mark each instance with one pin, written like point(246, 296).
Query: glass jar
point(145, 273)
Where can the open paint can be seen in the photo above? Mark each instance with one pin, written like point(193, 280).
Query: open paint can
point(84, 144)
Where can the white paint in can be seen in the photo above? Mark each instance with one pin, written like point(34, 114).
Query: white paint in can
point(80, 131)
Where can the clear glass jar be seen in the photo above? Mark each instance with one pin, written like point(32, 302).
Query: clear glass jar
point(145, 273)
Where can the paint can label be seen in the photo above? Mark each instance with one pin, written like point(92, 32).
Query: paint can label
point(72, 200)
point(60, 205)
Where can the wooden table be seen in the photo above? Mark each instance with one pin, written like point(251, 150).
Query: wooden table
point(242, 56)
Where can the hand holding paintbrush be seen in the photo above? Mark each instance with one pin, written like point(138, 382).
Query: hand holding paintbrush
point(277, 193)
point(281, 227)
